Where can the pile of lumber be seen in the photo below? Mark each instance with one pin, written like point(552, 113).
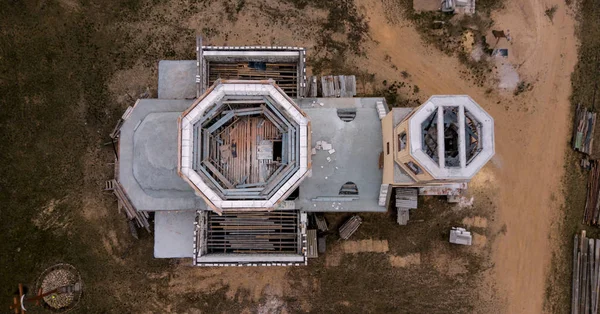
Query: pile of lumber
point(311, 243)
point(583, 131)
point(586, 275)
point(139, 217)
point(592, 203)
point(338, 85)
point(321, 222)
point(406, 199)
point(350, 227)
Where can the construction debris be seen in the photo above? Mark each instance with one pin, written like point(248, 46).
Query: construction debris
point(115, 133)
point(586, 274)
point(321, 222)
point(583, 130)
point(140, 217)
point(406, 199)
point(460, 236)
point(350, 227)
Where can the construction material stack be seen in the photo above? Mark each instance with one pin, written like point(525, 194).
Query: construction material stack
point(586, 274)
point(350, 227)
point(406, 199)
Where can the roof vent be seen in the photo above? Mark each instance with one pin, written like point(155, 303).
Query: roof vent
point(349, 188)
point(346, 115)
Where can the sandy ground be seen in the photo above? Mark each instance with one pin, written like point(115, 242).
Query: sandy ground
point(531, 133)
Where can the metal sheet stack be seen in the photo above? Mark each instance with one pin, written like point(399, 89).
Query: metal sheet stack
point(583, 130)
point(350, 227)
point(586, 275)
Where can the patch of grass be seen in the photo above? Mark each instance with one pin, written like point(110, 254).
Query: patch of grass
point(550, 12)
point(522, 87)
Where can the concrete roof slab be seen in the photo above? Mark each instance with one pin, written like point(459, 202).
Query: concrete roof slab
point(147, 167)
point(173, 234)
point(357, 147)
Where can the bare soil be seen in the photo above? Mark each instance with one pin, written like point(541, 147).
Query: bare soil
point(68, 69)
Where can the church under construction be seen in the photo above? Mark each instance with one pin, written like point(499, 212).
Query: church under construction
point(237, 152)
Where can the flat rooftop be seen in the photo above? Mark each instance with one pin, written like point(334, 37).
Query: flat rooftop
point(148, 157)
point(357, 145)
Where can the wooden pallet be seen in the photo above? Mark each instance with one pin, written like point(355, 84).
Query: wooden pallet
point(350, 227)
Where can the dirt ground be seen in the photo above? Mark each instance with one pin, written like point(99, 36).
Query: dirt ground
point(512, 208)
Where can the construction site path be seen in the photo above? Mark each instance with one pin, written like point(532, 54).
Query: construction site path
point(532, 131)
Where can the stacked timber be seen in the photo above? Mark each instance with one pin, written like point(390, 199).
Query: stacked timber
point(321, 222)
point(311, 243)
point(350, 227)
point(583, 131)
point(139, 217)
point(592, 204)
point(311, 89)
point(406, 199)
point(586, 275)
point(338, 86)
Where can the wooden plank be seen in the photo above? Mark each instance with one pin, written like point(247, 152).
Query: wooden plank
point(311, 243)
point(217, 173)
point(589, 299)
point(597, 272)
point(403, 216)
point(575, 285)
point(350, 227)
point(583, 272)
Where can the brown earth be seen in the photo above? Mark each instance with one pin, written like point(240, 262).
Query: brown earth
point(531, 135)
point(516, 196)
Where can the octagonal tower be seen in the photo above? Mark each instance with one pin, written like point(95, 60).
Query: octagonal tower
point(243, 145)
point(449, 138)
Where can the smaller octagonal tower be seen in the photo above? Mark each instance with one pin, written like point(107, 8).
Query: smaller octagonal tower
point(243, 145)
point(449, 138)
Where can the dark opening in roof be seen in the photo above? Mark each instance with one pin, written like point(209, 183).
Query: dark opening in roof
point(429, 131)
point(349, 188)
point(451, 149)
point(346, 115)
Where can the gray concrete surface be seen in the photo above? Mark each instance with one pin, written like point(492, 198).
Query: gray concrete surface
point(173, 234)
point(177, 79)
point(357, 147)
point(148, 158)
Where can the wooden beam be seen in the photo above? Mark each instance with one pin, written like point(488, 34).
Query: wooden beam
point(219, 175)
